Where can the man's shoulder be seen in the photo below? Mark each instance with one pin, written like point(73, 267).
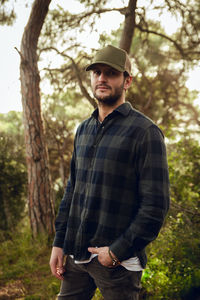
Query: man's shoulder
point(142, 122)
point(140, 119)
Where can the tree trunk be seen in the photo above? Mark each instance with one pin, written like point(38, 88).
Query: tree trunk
point(41, 210)
point(129, 26)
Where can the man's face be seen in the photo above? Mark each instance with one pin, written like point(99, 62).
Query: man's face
point(107, 84)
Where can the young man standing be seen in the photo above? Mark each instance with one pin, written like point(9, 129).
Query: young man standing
point(117, 195)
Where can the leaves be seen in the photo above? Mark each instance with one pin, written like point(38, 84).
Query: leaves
point(160, 62)
point(174, 257)
point(12, 175)
point(7, 16)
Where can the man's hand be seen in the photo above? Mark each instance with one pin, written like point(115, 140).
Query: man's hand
point(56, 263)
point(103, 255)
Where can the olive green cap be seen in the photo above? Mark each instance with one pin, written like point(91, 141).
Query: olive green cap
point(114, 57)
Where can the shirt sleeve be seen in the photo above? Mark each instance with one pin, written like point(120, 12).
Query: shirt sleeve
point(62, 217)
point(153, 195)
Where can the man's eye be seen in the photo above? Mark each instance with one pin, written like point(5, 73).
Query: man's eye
point(97, 72)
point(111, 73)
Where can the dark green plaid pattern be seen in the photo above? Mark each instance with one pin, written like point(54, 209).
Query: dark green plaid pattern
point(118, 191)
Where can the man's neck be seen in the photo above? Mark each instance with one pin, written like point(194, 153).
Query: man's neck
point(105, 110)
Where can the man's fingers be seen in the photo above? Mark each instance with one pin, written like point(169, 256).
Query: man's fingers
point(93, 250)
point(58, 272)
point(60, 262)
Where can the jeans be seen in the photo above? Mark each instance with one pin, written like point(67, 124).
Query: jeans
point(81, 280)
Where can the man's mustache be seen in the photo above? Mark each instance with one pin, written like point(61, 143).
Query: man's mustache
point(102, 85)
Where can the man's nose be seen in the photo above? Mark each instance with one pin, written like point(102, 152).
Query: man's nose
point(102, 77)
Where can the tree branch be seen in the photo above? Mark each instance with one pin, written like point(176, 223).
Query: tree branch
point(77, 72)
point(129, 26)
point(179, 48)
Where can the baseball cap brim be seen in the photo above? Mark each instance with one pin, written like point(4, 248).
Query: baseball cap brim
point(114, 66)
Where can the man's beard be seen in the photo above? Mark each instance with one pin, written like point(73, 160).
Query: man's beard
point(111, 99)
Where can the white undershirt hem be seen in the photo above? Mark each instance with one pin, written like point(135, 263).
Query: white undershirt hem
point(131, 264)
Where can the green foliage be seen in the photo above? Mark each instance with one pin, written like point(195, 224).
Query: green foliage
point(7, 16)
point(12, 175)
point(24, 270)
point(11, 123)
point(174, 258)
point(97, 295)
point(159, 64)
point(158, 88)
point(25, 266)
point(63, 111)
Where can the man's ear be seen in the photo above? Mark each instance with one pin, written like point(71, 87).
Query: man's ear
point(128, 81)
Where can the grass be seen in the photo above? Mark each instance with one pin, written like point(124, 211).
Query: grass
point(24, 268)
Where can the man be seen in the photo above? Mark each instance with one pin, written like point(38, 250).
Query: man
point(117, 195)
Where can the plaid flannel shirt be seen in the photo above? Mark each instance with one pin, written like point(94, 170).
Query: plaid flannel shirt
point(118, 191)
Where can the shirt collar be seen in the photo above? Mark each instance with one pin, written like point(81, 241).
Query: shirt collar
point(123, 109)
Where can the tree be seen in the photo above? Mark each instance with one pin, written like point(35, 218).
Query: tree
point(160, 61)
point(40, 200)
point(159, 89)
point(129, 26)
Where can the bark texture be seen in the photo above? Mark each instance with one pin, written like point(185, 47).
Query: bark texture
point(41, 210)
point(129, 26)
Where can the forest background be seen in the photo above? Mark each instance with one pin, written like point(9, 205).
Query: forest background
point(56, 97)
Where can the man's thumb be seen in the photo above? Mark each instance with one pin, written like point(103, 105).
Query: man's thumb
point(93, 250)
